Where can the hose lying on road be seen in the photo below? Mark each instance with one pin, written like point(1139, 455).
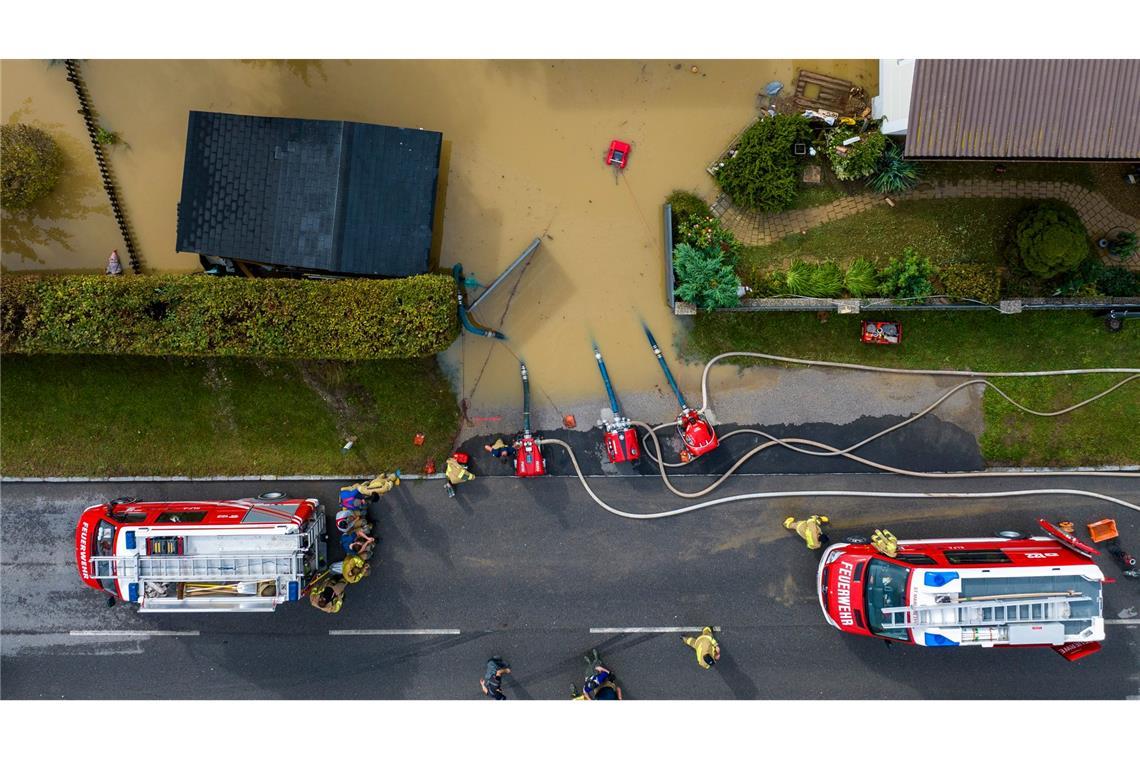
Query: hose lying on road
point(856, 494)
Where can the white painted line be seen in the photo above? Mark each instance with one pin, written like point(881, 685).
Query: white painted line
point(1122, 622)
point(136, 634)
point(677, 629)
point(396, 632)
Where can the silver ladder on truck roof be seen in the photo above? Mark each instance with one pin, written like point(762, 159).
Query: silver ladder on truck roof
point(1048, 608)
point(202, 567)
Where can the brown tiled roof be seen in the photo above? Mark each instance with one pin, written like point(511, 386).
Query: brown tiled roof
point(1032, 109)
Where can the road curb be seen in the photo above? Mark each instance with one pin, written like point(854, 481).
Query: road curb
point(205, 478)
point(439, 476)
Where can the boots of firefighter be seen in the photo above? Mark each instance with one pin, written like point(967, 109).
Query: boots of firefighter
point(450, 489)
point(885, 541)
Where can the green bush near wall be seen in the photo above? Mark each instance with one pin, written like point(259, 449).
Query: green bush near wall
point(197, 315)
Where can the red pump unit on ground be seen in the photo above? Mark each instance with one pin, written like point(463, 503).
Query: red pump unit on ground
point(620, 437)
point(529, 461)
point(697, 434)
point(622, 446)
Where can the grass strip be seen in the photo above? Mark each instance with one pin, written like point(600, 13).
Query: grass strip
point(104, 416)
point(1104, 432)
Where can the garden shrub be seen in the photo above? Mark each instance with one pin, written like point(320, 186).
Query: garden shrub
point(823, 280)
point(979, 282)
point(798, 278)
point(827, 280)
point(860, 158)
point(1118, 282)
point(908, 277)
point(686, 204)
point(705, 232)
point(763, 173)
point(860, 279)
point(197, 315)
point(1050, 239)
point(894, 174)
point(703, 277)
point(30, 165)
point(1092, 278)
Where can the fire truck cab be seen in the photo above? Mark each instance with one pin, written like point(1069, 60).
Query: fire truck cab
point(202, 556)
point(971, 591)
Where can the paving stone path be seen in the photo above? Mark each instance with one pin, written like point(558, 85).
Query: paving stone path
point(1099, 216)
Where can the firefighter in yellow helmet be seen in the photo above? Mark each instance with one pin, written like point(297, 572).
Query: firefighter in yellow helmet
point(810, 530)
point(353, 568)
point(328, 596)
point(706, 647)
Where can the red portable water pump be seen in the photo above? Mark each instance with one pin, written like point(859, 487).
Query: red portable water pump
point(696, 432)
point(529, 461)
point(620, 437)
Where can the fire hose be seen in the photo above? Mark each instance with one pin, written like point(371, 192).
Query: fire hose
point(826, 493)
point(824, 449)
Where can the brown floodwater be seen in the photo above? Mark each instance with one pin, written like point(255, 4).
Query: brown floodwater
point(524, 143)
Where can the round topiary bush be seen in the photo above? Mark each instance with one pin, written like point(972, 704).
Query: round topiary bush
point(1051, 239)
point(31, 165)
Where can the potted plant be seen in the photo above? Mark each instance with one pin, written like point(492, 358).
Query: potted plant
point(1121, 245)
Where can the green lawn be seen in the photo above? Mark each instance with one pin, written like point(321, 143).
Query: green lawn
point(101, 416)
point(1104, 432)
point(960, 230)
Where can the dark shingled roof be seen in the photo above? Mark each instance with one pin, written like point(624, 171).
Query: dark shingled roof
point(1031, 109)
point(330, 196)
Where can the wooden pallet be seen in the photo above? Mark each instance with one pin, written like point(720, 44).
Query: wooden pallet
point(835, 94)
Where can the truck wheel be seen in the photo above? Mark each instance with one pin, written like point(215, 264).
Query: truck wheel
point(1013, 535)
point(1114, 324)
point(272, 496)
point(857, 540)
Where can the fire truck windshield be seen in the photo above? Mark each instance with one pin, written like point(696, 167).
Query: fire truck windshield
point(885, 587)
point(105, 547)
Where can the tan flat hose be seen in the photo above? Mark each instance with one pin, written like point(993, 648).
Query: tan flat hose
point(823, 449)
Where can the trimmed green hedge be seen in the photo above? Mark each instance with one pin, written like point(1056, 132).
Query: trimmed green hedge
point(197, 315)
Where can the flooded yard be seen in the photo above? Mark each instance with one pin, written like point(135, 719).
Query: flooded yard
point(523, 149)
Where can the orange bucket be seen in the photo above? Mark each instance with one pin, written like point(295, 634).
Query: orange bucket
point(1102, 530)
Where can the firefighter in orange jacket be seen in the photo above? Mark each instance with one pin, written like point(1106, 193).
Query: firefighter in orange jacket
point(810, 530)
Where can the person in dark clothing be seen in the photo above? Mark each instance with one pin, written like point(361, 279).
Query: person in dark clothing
point(492, 680)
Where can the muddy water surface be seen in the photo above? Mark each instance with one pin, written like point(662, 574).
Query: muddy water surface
point(524, 142)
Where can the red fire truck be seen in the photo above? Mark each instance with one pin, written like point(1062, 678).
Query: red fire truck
point(1003, 591)
point(247, 555)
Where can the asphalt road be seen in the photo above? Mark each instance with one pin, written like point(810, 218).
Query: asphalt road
point(525, 570)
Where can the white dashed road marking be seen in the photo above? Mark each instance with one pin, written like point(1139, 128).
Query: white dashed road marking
point(676, 629)
point(397, 632)
point(137, 634)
